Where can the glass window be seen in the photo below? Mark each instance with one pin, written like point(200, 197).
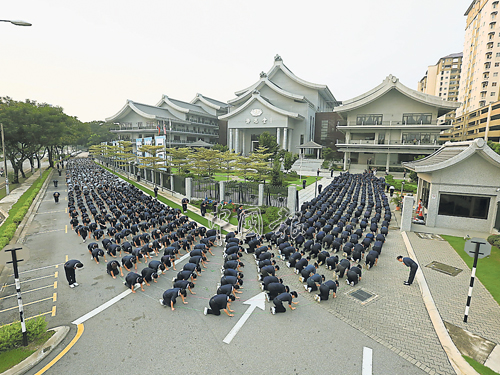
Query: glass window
point(425, 193)
point(369, 120)
point(324, 129)
point(464, 206)
point(417, 118)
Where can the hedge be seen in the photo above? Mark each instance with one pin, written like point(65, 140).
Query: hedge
point(409, 187)
point(11, 336)
point(19, 210)
point(494, 240)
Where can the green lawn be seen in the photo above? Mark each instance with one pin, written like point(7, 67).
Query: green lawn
point(310, 180)
point(488, 269)
point(481, 369)
point(12, 357)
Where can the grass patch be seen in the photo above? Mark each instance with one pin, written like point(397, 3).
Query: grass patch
point(12, 357)
point(481, 369)
point(488, 269)
point(409, 187)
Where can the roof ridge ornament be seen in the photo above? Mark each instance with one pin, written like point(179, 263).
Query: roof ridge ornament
point(263, 74)
point(255, 92)
point(277, 58)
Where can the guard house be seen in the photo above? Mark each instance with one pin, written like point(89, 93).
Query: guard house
point(391, 124)
point(280, 103)
point(460, 187)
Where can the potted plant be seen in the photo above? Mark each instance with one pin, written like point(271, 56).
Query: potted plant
point(397, 200)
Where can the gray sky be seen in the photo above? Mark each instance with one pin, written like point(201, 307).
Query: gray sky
point(90, 56)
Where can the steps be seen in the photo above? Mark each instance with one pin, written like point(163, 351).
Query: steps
point(307, 165)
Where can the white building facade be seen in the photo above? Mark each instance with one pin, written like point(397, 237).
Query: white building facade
point(279, 103)
point(391, 124)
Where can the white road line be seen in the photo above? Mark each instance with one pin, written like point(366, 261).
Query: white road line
point(27, 281)
point(112, 301)
point(38, 269)
point(28, 291)
point(47, 231)
point(101, 308)
point(367, 361)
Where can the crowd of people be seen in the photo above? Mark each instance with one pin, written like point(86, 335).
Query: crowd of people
point(342, 230)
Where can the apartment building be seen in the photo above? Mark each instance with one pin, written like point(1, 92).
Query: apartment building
point(481, 57)
point(443, 78)
point(479, 123)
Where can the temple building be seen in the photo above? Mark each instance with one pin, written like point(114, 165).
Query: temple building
point(282, 104)
point(391, 124)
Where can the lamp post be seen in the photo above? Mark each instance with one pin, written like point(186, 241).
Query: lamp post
point(5, 163)
point(17, 23)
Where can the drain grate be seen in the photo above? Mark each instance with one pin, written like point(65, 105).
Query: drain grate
point(362, 295)
point(429, 236)
point(444, 268)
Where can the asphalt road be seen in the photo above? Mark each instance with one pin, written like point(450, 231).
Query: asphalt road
point(137, 334)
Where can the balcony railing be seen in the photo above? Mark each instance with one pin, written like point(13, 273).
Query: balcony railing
point(155, 129)
point(390, 123)
point(386, 142)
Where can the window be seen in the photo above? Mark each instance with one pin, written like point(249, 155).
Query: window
point(495, 74)
point(492, 94)
point(464, 206)
point(369, 120)
point(324, 129)
point(493, 83)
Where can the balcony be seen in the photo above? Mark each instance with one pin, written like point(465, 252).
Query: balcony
point(383, 143)
point(153, 129)
point(382, 124)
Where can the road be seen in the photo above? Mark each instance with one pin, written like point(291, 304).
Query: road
point(137, 332)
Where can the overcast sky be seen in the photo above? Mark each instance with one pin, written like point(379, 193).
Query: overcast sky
point(90, 56)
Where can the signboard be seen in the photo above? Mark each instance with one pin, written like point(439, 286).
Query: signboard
point(484, 247)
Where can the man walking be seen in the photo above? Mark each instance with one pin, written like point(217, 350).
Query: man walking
point(408, 262)
point(69, 268)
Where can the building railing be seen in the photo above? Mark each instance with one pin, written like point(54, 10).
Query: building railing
point(391, 123)
point(154, 128)
point(385, 142)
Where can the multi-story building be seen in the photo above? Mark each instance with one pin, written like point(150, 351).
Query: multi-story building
point(170, 122)
point(391, 124)
point(479, 123)
point(284, 105)
point(481, 57)
point(443, 80)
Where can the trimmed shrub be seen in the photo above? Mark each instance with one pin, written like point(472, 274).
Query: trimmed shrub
point(494, 240)
point(11, 336)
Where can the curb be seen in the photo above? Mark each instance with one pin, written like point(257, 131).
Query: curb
point(40, 354)
point(459, 364)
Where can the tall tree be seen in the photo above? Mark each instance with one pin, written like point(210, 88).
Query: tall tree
point(260, 166)
point(288, 160)
point(269, 141)
point(151, 161)
point(179, 159)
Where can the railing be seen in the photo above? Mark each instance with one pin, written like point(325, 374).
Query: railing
point(392, 142)
point(154, 128)
point(390, 123)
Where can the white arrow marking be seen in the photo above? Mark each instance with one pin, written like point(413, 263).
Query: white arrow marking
point(256, 301)
point(367, 361)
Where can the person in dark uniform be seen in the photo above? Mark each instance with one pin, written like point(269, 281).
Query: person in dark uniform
point(203, 208)
point(408, 262)
point(324, 290)
point(156, 192)
point(275, 289)
point(354, 275)
point(56, 196)
point(220, 302)
point(284, 297)
point(184, 202)
point(170, 297)
point(113, 268)
point(69, 268)
point(55, 182)
point(132, 280)
point(129, 261)
point(371, 259)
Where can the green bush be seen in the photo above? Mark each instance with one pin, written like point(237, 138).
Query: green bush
point(4, 241)
point(11, 336)
point(409, 187)
point(494, 240)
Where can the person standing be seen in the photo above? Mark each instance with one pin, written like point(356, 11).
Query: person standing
point(69, 268)
point(391, 190)
point(184, 202)
point(156, 192)
point(203, 208)
point(408, 262)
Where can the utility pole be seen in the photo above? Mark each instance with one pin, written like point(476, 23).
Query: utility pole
point(18, 290)
point(5, 163)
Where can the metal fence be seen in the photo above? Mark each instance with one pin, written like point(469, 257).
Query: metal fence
point(179, 184)
point(276, 196)
point(242, 192)
point(205, 188)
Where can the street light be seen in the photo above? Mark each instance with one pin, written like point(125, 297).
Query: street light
point(5, 163)
point(17, 23)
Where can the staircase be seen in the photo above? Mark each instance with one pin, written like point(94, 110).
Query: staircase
point(307, 166)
